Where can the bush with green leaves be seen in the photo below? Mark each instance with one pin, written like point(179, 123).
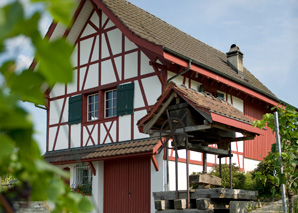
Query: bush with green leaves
point(20, 157)
point(269, 171)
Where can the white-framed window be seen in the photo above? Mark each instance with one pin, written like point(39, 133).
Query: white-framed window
point(221, 95)
point(110, 103)
point(82, 182)
point(92, 107)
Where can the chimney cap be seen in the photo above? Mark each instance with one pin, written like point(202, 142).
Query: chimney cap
point(234, 49)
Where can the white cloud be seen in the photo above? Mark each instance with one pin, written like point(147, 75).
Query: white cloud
point(23, 62)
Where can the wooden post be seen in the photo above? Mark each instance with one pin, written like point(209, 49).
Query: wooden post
point(219, 166)
point(204, 162)
point(187, 174)
point(230, 158)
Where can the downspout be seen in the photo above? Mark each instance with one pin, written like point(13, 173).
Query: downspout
point(180, 73)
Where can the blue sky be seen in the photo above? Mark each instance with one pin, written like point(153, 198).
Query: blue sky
point(265, 30)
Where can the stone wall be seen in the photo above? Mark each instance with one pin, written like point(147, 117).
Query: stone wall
point(33, 207)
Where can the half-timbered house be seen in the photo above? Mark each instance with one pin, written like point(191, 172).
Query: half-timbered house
point(128, 64)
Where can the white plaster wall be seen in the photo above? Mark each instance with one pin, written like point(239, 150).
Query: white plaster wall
point(157, 178)
point(85, 50)
point(103, 132)
point(98, 186)
point(72, 87)
point(152, 88)
point(138, 98)
point(250, 164)
point(129, 45)
point(107, 72)
point(131, 65)
point(52, 135)
point(238, 103)
point(92, 77)
point(74, 56)
point(104, 48)
point(88, 31)
point(124, 130)
point(55, 110)
point(178, 80)
point(95, 19)
point(57, 90)
point(82, 76)
point(109, 24)
point(137, 116)
point(62, 139)
point(145, 67)
point(95, 54)
point(75, 135)
point(197, 156)
point(118, 63)
point(115, 38)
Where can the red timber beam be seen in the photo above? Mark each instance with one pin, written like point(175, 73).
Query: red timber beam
point(92, 168)
point(218, 78)
point(154, 162)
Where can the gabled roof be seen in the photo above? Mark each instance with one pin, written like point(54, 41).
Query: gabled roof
point(213, 109)
point(140, 147)
point(173, 40)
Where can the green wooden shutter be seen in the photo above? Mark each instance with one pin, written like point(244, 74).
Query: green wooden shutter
point(75, 110)
point(125, 97)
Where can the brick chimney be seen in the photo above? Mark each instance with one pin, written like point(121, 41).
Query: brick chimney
point(235, 59)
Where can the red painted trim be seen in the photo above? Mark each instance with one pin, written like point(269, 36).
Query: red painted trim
point(154, 162)
point(108, 132)
point(235, 123)
point(132, 37)
point(90, 134)
point(219, 78)
point(155, 149)
point(93, 170)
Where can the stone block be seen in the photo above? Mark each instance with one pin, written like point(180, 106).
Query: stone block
point(203, 203)
point(242, 206)
point(160, 204)
point(180, 204)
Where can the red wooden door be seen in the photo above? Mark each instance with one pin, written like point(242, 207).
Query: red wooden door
point(127, 185)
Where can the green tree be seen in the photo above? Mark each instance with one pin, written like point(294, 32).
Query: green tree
point(20, 156)
point(288, 127)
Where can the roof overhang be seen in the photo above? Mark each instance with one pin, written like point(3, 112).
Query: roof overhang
point(134, 148)
point(210, 116)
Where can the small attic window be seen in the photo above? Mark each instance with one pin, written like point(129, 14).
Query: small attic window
point(221, 96)
point(201, 88)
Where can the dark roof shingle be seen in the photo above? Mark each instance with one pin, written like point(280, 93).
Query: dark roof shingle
point(102, 151)
point(157, 31)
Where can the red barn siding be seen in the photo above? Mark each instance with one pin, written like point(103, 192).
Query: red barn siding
point(127, 185)
point(258, 148)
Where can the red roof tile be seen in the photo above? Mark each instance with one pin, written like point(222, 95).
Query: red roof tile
point(143, 146)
